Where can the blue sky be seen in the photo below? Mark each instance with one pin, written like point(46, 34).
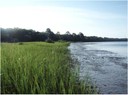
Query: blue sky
point(93, 18)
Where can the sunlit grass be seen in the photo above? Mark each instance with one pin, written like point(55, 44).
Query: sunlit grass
point(39, 67)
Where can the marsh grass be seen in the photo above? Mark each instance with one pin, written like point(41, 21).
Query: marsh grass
point(38, 68)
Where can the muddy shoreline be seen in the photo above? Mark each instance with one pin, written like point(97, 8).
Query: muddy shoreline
point(107, 70)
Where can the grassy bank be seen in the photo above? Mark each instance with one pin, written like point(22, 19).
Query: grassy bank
point(39, 67)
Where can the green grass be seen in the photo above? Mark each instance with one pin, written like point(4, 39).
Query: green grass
point(39, 67)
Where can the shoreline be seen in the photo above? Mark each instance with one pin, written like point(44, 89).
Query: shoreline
point(107, 69)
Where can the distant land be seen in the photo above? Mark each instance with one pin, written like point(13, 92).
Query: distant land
point(29, 35)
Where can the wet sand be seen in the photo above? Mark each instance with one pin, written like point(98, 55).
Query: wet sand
point(107, 70)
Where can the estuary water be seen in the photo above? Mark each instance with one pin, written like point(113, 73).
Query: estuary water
point(116, 47)
point(105, 63)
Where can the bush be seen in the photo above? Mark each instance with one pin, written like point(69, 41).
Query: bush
point(20, 43)
point(49, 41)
point(61, 41)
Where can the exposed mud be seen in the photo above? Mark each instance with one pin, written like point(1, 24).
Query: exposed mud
point(108, 70)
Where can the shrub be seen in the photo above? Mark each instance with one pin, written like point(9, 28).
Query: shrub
point(49, 41)
point(61, 41)
point(20, 43)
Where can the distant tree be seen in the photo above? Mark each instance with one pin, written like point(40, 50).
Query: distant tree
point(58, 33)
point(68, 36)
point(58, 36)
point(24, 35)
point(74, 37)
point(81, 36)
point(50, 34)
point(68, 33)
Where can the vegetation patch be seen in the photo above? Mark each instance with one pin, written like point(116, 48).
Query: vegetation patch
point(20, 43)
point(39, 68)
point(49, 40)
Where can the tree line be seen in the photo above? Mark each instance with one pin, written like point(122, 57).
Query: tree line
point(28, 35)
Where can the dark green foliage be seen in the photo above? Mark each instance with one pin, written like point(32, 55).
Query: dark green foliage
point(24, 35)
point(49, 40)
point(20, 43)
point(62, 41)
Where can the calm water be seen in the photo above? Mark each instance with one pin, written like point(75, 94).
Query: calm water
point(115, 47)
point(105, 62)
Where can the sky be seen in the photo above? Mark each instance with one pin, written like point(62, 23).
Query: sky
point(103, 18)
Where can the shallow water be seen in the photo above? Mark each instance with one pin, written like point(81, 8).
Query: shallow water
point(117, 47)
point(107, 68)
